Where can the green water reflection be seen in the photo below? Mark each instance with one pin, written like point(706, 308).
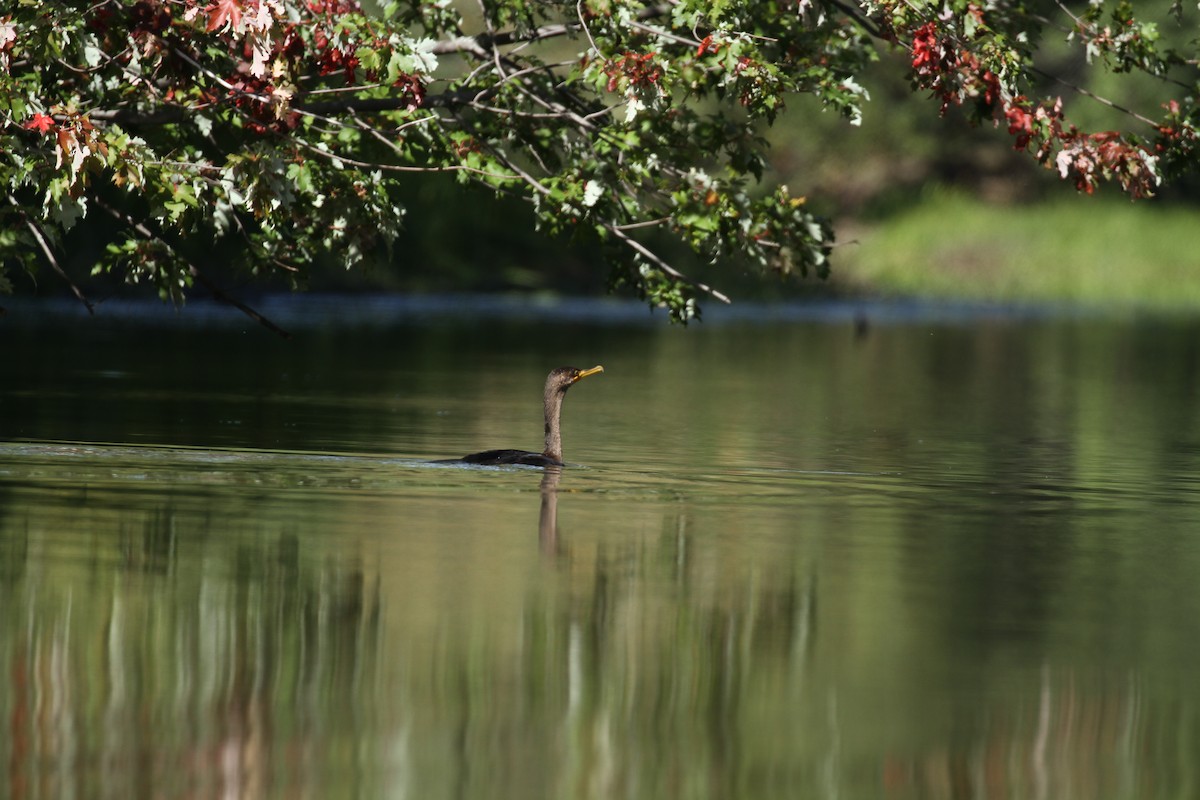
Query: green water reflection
point(937, 561)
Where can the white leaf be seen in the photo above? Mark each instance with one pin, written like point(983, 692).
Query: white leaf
point(1064, 160)
point(592, 192)
point(632, 108)
point(423, 56)
point(92, 55)
point(77, 158)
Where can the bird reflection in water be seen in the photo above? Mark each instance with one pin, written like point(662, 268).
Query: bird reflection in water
point(548, 518)
point(550, 459)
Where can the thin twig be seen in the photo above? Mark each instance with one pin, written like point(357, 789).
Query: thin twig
point(479, 45)
point(583, 24)
point(1092, 95)
point(312, 148)
point(497, 61)
point(48, 252)
point(670, 37)
point(862, 21)
point(219, 294)
point(650, 223)
point(655, 259)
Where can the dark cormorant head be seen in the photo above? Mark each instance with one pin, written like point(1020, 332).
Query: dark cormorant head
point(563, 378)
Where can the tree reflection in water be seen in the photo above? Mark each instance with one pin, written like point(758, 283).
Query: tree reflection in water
point(276, 642)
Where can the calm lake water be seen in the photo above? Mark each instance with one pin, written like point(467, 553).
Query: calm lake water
point(941, 555)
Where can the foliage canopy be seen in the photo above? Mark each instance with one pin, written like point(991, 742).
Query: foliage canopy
point(283, 129)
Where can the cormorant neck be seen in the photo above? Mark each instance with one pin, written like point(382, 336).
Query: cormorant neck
point(553, 406)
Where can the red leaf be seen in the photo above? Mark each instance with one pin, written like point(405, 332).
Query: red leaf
point(222, 11)
point(40, 123)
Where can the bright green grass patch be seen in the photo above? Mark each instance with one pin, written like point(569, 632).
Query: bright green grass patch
point(1078, 250)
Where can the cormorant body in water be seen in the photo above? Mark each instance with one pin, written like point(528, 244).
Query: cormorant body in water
point(557, 383)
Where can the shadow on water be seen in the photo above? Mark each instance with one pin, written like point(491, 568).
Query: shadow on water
point(932, 560)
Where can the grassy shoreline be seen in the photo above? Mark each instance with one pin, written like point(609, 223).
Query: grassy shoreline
point(1081, 250)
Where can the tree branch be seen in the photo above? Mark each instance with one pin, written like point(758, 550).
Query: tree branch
point(218, 293)
point(482, 44)
point(862, 21)
point(171, 114)
point(48, 252)
point(1104, 101)
point(655, 259)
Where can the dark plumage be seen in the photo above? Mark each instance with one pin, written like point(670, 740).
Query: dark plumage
point(557, 383)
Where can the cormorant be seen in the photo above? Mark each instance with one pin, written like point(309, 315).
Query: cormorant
point(557, 383)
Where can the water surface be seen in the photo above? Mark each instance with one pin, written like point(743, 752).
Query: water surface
point(935, 556)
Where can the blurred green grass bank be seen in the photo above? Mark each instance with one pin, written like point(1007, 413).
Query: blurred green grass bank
point(1090, 251)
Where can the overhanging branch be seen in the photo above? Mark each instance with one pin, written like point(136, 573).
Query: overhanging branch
point(483, 44)
point(218, 293)
point(658, 262)
point(48, 253)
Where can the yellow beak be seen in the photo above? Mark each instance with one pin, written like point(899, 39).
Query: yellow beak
point(583, 373)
